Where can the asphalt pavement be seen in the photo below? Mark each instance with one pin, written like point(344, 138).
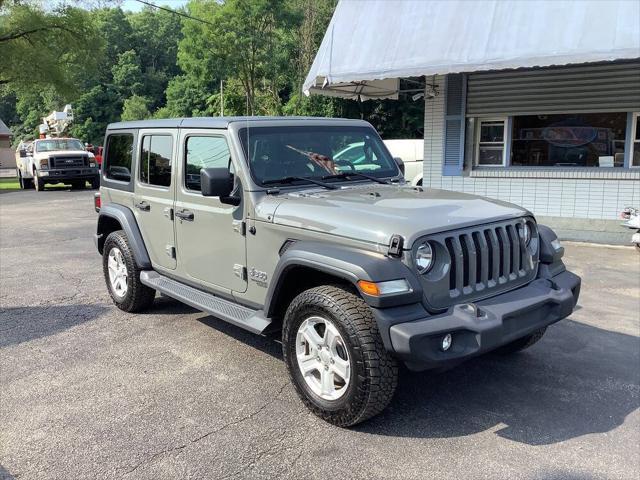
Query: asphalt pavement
point(88, 391)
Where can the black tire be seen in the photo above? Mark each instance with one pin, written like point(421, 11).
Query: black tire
point(26, 183)
point(138, 297)
point(78, 184)
point(521, 343)
point(95, 183)
point(374, 372)
point(39, 184)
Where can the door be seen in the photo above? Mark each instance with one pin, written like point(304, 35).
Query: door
point(154, 195)
point(209, 234)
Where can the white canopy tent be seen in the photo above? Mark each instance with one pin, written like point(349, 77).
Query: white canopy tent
point(369, 45)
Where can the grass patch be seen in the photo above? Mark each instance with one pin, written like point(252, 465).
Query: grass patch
point(10, 183)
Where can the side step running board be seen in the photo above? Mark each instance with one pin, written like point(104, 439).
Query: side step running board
point(247, 318)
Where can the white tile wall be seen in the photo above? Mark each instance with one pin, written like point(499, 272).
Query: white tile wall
point(575, 196)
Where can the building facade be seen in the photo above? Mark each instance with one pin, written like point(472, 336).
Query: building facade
point(7, 155)
point(563, 142)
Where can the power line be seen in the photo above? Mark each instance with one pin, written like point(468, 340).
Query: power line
point(180, 14)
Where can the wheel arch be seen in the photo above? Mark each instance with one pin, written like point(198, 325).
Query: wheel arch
point(114, 217)
point(309, 264)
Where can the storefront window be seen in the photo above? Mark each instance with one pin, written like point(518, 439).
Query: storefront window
point(490, 144)
point(635, 154)
point(569, 140)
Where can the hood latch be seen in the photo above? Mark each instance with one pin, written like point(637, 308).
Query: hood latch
point(395, 245)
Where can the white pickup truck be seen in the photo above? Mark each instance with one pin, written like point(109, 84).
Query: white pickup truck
point(56, 160)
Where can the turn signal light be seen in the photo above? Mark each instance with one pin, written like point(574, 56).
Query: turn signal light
point(370, 288)
point(377, 289)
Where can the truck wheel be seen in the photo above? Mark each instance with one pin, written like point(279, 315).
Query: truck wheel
point(95, 183)
point(123, 275)
point(521, 343)
point(78, 184)
point(39, 184)
point(335, 357)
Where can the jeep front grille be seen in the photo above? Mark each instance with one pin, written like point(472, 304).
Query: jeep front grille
point(480, 261)
point(486, 258)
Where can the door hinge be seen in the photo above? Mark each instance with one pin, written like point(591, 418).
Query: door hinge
point(170, 250)
point(240, 271)
point(168, 212)
point(239, 226)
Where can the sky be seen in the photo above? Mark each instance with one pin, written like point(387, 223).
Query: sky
point(134, 6)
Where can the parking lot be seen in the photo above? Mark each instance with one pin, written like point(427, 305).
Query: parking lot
point(88, 391)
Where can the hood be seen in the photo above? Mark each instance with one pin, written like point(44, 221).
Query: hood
point(63, 153)
point(373, 213)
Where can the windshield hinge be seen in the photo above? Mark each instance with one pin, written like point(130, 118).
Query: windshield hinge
point(395, 245)
point(239, 226)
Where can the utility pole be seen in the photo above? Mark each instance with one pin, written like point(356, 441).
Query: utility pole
point(221, 100)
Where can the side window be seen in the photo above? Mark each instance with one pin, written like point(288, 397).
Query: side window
point(119, 155)
point(155, 160)
point(204, 152)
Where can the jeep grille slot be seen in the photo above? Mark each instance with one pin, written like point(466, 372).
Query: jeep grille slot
point(484, 260)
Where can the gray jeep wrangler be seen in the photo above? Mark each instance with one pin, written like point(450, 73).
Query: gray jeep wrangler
point(305, 226)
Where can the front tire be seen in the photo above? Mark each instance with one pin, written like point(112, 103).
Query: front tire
point(39, 184)
point(122, 275)
point(522, 343)
point(342, 372)
point(95, 183)
point(78, 184)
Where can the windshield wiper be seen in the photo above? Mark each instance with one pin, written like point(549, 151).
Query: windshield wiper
point(356, 174)
point(305, 179)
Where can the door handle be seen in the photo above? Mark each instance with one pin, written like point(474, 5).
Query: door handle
point(185, 215)
point(144, 206)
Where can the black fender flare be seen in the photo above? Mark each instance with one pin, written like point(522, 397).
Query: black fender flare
point(348, 263)
point(125, 217)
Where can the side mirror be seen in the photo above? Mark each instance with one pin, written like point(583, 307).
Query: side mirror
point(23, 153)
point(218, 182)
point(400, 164)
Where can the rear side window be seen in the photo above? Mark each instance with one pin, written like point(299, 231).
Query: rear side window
point(119, 156)
point(155, 160)
point(204, 152)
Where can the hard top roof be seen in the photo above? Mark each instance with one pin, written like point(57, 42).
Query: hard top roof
point(224, 122)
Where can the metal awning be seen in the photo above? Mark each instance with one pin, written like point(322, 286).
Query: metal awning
point(369, 45)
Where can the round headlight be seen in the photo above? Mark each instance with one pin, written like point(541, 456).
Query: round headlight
point(424, 258)
point(525, 233)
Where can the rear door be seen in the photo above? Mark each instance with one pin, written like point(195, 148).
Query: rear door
point(155, 194)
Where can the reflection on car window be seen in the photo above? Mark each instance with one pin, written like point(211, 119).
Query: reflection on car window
point(155, 162)
point(119, 155)
point(315, 151)
point(204, 152)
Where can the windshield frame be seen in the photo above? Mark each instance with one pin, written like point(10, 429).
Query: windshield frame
point(241, 135)
point(39, 143)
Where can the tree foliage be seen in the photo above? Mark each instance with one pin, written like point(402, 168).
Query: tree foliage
point(113, 65)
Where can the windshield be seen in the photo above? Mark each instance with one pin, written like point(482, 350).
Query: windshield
point(315, 152)
point(59, 144)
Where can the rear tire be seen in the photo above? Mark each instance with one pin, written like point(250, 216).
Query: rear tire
point(522, 343)
point(129, 293)
point(372, 372)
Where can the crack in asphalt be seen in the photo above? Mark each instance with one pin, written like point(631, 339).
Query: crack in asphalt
point(148, 460)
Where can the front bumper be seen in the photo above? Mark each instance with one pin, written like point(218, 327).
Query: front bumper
point(481, 326)
point(60, 174)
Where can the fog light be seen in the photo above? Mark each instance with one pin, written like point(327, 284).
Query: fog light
point(446, 342)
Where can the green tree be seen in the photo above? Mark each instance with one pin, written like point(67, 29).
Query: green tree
point(127, 75)
point(42, 48)
point(136, 108)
